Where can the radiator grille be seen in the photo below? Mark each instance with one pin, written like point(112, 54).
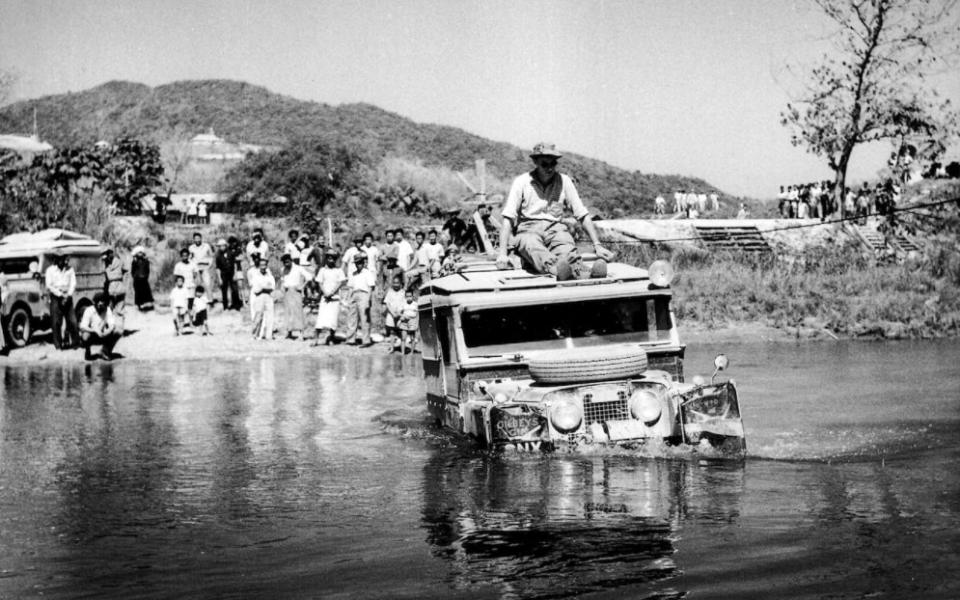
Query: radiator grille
point(596, 412)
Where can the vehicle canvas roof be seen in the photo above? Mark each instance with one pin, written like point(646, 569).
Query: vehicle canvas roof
point(19, 244)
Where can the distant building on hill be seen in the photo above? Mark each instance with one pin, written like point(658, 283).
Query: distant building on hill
point(23, 146)
point(209, 147)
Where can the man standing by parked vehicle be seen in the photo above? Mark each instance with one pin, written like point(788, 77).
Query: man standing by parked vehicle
point(113, 286)
point(225, 262)
point(534, 211)
point(61, 283)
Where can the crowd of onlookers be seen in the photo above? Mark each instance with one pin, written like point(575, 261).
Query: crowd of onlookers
point(328, 294)
point(690, 203)
point(816, 200)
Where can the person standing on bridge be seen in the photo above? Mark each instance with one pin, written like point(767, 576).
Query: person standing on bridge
point(533, 210)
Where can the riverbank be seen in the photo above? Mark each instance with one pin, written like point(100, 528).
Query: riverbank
point(149, 337)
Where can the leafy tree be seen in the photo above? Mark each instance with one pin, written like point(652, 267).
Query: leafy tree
point(876, 84)
point(60, 188)
point(310, 173)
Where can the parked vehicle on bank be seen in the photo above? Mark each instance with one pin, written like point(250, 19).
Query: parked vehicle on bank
point(520, 360)
point(24, 258)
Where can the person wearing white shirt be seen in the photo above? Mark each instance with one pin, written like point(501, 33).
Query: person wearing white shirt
point(292, 280)
point(180, 301)
point(348, 260)
point(714, 202)
point(188, 271)
point(373, 253)
point(257, 248)
point(99, 326)
point(659, 205)
point(432, 253)
point(201, 255)
point(262, 286)
point(330, 278)
point(292, 248)
point(61, 283)
point(361, 285)
point(405, 252)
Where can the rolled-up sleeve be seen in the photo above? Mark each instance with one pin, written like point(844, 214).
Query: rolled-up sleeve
point(511, 208)
point(573, 198)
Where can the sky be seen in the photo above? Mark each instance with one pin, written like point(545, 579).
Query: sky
point(669, 87)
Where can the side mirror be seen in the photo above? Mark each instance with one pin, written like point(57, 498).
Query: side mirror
point(720, 363)
point(34, 267)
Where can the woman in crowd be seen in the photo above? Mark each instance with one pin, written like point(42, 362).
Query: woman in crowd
point(140, 271)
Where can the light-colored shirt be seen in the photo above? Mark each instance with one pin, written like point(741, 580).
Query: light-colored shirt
point(202, 254)
point(330, 279)
point(530, 200)
point(363, 280)
point(187, 271)
point(404, 254)
point(200, 303)
point(373, 258)
point(394, 301)
point(99, 324)
point(114, 274)
point(295, 279)
point(263, 248)
point(262, 282)
point(347, 260)
point(179, 297)
point(292, 249)
point(433, 253)
point(61, 282)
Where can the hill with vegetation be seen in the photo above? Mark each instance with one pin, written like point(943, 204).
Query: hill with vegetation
point(240, 112)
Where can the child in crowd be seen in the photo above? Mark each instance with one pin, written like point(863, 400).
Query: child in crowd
point(393, 303)
point(409, 323)
point(179, 304)
point(451, 261)
point(200, 304)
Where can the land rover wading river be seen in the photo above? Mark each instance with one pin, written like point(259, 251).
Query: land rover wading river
point(522, 361)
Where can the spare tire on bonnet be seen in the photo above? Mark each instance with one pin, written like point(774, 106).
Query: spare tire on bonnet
point(600, 363)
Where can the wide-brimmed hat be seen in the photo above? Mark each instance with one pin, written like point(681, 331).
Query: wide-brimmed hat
point(545, 149)
point(331, 252)
point(221, 242)
point(138, 250)
point(106, 251)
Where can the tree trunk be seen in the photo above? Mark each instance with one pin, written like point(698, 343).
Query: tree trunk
point(841, 182)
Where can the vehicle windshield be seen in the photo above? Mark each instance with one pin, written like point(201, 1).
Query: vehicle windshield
point(580, 324)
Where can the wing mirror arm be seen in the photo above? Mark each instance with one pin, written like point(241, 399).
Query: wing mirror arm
point(720, 363)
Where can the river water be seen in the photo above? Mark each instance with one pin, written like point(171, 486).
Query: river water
point(320, 478)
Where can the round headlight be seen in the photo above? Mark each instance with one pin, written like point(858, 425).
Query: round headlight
point(566, 416)
point(646, 406)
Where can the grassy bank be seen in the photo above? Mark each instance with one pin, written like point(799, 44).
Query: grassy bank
point(831, 292)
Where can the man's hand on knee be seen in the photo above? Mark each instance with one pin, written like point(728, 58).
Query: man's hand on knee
point(603, 252)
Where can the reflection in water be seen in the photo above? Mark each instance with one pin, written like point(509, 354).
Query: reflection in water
point(305, 478)
point(564, 525)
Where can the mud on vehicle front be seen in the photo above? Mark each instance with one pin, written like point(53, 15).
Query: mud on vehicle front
point(519, 360)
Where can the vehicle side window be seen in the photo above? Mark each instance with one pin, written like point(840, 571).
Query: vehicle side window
point(443, 333)
point(428, 334)
point(16, 266)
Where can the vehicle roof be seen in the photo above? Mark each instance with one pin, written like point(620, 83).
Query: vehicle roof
point(26, 244)
point(482, 282)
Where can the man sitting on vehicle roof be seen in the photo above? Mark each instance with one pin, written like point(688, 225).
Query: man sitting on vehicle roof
point(534, 209)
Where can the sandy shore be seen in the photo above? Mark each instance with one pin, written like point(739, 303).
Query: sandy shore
point(150, 337)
